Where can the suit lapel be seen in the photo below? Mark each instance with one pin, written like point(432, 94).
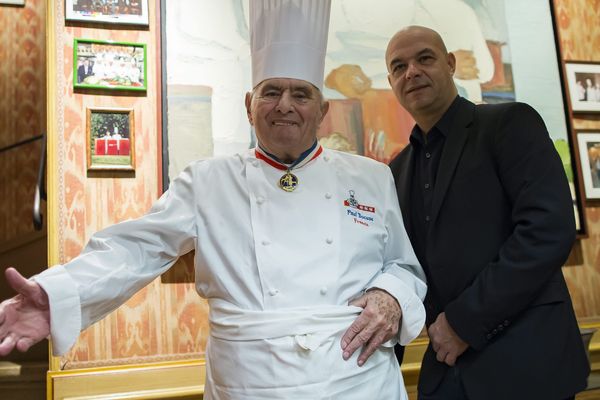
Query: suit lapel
point(453, 148)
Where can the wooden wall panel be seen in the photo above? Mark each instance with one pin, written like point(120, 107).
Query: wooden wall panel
point(22, 112)
point(161, 322)
point(579, 32)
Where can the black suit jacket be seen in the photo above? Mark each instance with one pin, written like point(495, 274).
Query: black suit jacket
point(82, 73)
point(501, 227)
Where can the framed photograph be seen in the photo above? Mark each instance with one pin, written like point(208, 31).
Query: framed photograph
point(132, 12)
point(583, 79)
point(12, 2)
point(109, 65)
point(110, 139)
point(589, 154)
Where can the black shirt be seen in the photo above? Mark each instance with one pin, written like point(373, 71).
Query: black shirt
point(427, 150)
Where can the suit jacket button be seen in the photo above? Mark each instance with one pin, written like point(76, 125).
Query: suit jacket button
point(489, 336)
point(506, 323)
point(495, 332)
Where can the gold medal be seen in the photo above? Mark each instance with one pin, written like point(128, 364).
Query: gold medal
point(288, 182)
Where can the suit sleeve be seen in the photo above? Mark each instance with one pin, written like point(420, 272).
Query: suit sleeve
point(117, 262)
point(543, 232)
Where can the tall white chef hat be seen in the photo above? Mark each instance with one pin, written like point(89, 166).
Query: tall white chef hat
point(288, 39)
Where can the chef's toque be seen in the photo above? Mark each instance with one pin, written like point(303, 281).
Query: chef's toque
point(288, 39)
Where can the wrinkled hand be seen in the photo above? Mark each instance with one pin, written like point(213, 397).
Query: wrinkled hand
point(376, 324)
point(466, 65)
point(25, 318)
point(445, 342)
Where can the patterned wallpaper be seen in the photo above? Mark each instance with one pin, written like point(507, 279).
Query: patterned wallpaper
point(579, 33)
point(163, 321)
point(22, 111)
point(168, 321)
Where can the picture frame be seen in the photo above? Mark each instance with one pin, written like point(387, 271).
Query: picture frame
point(99, 64)
point(12, 2)
point(127, 12)
point(588, 142)
point(583, 81)
point(110, 139)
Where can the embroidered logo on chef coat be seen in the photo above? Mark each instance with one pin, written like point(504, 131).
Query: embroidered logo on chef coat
point(358, 212)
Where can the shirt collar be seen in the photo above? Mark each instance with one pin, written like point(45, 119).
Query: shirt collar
point(443, 126)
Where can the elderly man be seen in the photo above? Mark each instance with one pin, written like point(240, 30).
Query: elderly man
point(487, 206)
point(300, 251)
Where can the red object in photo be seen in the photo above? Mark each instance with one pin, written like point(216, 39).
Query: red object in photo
point(111, 147)
point(124, 147)
point(100, 147)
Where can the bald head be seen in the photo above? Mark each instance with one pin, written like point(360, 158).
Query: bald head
point(414, 32)
point(420, 72)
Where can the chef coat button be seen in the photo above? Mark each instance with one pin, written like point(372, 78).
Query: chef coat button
point(324, 290)
point(260, 199)
point(329, 240)
point(265, 242)
point(255, 163)
point(273, 292)
point(328, 195)
point(325, 158)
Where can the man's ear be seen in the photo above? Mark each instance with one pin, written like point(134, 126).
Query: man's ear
point(248, 102)
point(324, 109)
point(452, 63)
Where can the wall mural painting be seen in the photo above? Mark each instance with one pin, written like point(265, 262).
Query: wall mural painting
point(505, 51)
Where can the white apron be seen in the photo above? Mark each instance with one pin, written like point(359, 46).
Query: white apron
point(295, 355)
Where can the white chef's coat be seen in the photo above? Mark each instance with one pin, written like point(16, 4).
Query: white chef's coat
point(278, 270)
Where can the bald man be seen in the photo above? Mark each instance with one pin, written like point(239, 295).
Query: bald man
point(487, 207)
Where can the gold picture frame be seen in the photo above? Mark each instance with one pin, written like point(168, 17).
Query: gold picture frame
point(110, 139)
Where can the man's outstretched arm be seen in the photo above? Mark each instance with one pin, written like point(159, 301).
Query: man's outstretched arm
point(25, 318)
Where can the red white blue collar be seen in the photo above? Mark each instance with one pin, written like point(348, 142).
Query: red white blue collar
point(304, 158)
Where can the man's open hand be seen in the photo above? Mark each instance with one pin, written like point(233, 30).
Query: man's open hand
point(25, 318)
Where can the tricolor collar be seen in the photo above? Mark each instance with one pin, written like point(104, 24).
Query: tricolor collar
point(306, 157)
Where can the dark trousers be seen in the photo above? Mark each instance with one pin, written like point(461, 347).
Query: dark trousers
point(451, 388)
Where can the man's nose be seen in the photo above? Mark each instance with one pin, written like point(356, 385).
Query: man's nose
point(412, 70)
point(285, 103)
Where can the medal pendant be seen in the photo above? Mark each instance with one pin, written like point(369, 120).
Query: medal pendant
point(288, 182)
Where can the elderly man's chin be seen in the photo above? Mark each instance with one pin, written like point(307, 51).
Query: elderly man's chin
point(286, 135)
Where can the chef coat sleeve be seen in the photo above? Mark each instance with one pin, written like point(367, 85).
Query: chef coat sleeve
point(401, 276)
point(118, 261)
